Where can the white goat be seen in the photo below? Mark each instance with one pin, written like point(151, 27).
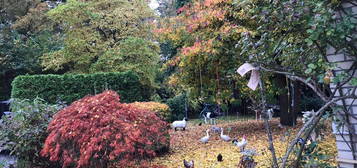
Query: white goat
point(180, 124)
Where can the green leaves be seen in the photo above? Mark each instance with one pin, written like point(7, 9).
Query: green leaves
point(312, 66)
point(309, 42)
point(96, 30)
point(132, 54)
point(340, 77)
point(24, 132)
point(310, 69)
point(23, 55)
point(313, 156)
point(177, 106)
point(353, 81)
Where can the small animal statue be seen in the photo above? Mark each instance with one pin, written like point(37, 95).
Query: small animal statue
point(281, 126)
point(258, 115)
point(247, 160)
point(270, 113)
point(180, 124)
point(316, 132)
point(224, 137)
point(211, 116)
point(241, 144)
point(205, 138)
point(187, 164)
point(300, 141)
point(215, 129)
point(219, 158)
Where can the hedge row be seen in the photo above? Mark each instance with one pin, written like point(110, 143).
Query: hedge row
point(71, 87)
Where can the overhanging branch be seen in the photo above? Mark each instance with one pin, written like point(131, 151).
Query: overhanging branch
point(312, 121)
point(301, 79)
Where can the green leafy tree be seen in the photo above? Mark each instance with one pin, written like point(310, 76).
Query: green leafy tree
point(35, 20)
point(20, 54)
point(25, 34)
point(104, 36)
point(134, 54)
point(20, 48)
point(11, 10)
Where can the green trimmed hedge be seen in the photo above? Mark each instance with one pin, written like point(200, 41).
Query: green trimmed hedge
point(71, 87)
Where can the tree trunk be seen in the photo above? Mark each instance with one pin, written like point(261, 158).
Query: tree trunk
point(235, 94)
point(297, 102)
point(289, 100)
point(283, 99)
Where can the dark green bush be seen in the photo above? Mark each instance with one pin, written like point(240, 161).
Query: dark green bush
point(312, 102)
point(71, 87)
point(177, 106)
point(24, 131)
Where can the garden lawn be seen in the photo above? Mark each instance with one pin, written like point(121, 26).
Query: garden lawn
point(186, 144)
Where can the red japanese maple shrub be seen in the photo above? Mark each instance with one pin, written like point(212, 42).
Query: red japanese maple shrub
point(96, 131)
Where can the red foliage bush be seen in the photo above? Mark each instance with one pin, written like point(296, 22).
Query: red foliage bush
point(99, 130)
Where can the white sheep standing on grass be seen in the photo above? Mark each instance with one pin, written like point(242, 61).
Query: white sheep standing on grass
point(180, 124)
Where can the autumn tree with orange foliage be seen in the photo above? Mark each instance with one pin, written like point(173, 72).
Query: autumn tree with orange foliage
point(98, 131)
point(205, 34)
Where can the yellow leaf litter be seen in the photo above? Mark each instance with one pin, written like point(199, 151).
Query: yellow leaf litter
point(186, 145)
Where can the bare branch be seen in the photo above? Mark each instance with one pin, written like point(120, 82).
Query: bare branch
point(301, 79)
point(312, 121)
point(267, 126)
point(351, 2)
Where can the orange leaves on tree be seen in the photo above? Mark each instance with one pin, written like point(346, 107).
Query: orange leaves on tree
point(205, 34)
point(98, 130)
point(209, 3)
point(160, 109)
point(198, 47)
